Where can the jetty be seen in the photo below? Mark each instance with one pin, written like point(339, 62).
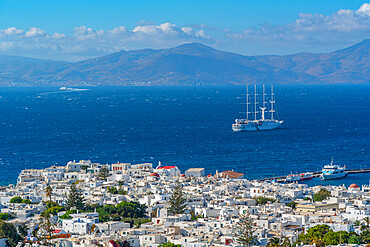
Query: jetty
point(281, 179)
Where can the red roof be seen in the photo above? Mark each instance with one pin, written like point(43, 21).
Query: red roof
point(352, 186)
point(231, 174)
point(209, 175)
point(182, 175)
point(166, 167)
point(154, 174)
point(56, 230)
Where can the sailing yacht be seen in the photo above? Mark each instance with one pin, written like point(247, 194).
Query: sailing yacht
point(256, 124)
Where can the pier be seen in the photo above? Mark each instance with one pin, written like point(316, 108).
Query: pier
point(281, 179)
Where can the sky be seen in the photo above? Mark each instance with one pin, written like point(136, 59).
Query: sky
point(79, 29)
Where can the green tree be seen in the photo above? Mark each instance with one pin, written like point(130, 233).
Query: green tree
point(335, 238)
point(367, 222)
point(121, 191)
point(365, 236)
point(51, 204)
point(66, 215)
point(314, 235)
point(321, 195)
point(46, 225)
point(318, 232)
point(4, 216)
point(113, 190)
point(8, 230)
point(274, 242)
point(169, 244)
point(104, 173)
point(16, 199)
point(292, 204)
point(26, 201)
point(286, 243)
point(261, 200)
point(49, 192)
point(354, 239)
point(177, 201)
point(54, 210)
point(123, 210)
point(75, 198)
point(23, 230)
point(244, 230)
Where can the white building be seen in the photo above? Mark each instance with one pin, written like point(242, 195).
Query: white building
point(195, 172)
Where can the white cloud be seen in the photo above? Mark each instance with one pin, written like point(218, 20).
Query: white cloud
point(365, 9)
point(343, 27)
point(87, 42)
point(118, 30)
point(34, 32)
point(13, 31)
point(306, 33)
point(58, 35)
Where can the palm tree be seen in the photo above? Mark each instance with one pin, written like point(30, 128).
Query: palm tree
point(357, 223)
point(367, 221)
point(48, 192)
point(46, 225)
point(286, 243)
point(274, 242)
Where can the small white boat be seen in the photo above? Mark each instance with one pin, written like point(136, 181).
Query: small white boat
point(293, 178)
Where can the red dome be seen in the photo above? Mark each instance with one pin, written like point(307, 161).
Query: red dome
point(209, 175)
point(353, 186)
point(154, 174)
point(182, 175)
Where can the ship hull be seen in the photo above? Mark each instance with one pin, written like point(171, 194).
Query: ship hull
point(333, 176)
point(256, 126)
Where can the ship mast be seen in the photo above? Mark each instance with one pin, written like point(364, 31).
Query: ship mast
point(263, 97)
point(255, 102)
point(272, 101)
point(247, 102)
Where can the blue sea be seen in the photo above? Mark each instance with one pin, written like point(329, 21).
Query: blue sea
point(187, 127)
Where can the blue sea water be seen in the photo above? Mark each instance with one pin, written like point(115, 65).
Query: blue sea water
point(185, 126)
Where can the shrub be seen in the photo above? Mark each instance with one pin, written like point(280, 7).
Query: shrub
point(16, 199)
point(4, 216)
point(26, 201)
point(321, 195)
point(261, 200)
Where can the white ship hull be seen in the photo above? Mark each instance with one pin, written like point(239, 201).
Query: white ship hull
point(333, 171)
point(333, 176)
point(257, 125)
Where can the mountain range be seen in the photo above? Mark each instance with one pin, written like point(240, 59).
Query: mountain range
point(190, 64)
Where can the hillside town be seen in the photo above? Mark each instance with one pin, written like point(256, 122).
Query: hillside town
point(87, 204)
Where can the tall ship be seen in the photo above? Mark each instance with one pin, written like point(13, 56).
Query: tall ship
point(259, 116)
point(332, 171)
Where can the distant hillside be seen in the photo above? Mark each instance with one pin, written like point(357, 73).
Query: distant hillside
point(21, 71)
point(349, 65)
point(190, 64)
